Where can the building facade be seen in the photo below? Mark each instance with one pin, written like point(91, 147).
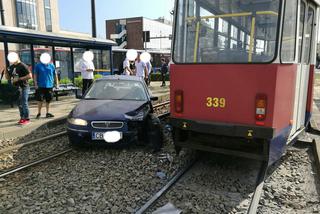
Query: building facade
point(128, 33)
point(40, 15)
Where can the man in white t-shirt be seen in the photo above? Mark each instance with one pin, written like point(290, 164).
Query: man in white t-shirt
point(126, 67)
point(141, 69)
point(87, 71)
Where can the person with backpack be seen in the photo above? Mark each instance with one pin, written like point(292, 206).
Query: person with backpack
point(18, 74)
point(164, 71)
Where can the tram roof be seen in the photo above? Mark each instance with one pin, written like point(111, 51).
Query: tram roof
point(20, 35)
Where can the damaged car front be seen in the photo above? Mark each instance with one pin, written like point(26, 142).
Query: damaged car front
point(115, 110)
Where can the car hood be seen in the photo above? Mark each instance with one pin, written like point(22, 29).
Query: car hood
point(91, 110)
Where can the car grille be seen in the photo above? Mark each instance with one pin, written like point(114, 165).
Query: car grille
point(106, 125)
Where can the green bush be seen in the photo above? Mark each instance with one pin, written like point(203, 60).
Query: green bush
point(97, 76)
point(65, 80)
point(157, 77)
point(78, 82)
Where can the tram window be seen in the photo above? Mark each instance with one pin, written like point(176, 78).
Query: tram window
point(301, 28)
point(38, 50)
point(198, 40)
point(63, 63)
point(308, 35)
point(288, 48)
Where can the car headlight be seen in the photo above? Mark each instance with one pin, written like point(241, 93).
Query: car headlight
point(77, 122)
point(137, 117)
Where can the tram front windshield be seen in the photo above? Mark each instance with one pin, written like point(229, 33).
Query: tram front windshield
point(226, 31)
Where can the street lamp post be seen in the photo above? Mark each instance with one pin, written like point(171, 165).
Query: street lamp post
point(93, 15)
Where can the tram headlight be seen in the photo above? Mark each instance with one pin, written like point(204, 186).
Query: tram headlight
point(77, 122)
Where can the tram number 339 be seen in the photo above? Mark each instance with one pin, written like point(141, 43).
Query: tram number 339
point(215, 102)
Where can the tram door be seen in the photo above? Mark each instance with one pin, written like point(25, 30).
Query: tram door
point(306, 31)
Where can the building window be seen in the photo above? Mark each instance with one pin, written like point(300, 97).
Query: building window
point(26, 14)
point(47, 14)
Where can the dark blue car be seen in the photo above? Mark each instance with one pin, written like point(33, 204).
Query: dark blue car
point(116, 110)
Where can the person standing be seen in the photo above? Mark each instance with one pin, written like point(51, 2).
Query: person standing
point(19, 74)
point(149, 68)
point(45, 77)
point(164, 71)
point(141, 69)
point(87, 71)
point(126, 67)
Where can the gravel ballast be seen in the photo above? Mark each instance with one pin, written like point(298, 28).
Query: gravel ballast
point(215, 184)
point(93, 181)
point(293, 185)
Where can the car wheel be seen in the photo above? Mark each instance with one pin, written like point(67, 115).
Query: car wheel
point(155, 136)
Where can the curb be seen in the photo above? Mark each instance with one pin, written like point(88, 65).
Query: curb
point(29, 129)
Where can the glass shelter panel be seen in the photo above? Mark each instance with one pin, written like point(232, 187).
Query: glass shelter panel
point(24, 52)
point(225, 31)
point(63, 63)
point(77, 59)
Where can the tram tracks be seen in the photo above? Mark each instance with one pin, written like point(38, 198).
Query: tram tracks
point(178, 189)
point(202, 188)
point(159, 109)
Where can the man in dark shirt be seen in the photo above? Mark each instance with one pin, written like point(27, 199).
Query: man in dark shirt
point(164, 71)
point(19, 75)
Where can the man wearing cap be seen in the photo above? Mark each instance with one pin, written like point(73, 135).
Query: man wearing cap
point(19, 74)
point(45, 77)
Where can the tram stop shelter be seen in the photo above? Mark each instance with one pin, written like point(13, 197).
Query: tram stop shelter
point(66, 51)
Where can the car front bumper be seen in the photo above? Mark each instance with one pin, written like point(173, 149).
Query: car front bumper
point(85, 136)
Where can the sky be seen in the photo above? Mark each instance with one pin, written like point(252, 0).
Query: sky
point(75, 15)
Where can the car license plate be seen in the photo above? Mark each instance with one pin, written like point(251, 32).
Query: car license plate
point(101, 136)
point(97, 135)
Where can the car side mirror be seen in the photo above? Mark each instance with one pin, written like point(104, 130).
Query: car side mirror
point(154, 98)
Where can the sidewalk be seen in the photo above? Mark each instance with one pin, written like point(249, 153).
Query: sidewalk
point(10, 116)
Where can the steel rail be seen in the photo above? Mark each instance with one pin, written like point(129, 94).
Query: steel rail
point(163, 116)
point(164, 189)
point(40, 140)
point(33, 163)
point(161, 104)
point(259, 188)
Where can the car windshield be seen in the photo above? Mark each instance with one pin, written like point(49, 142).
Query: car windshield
point(225, 31)
point(117, 90)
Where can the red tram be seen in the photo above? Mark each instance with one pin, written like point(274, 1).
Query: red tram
point(242, 78)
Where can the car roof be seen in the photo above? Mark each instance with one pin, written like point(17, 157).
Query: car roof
point(122, 77)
